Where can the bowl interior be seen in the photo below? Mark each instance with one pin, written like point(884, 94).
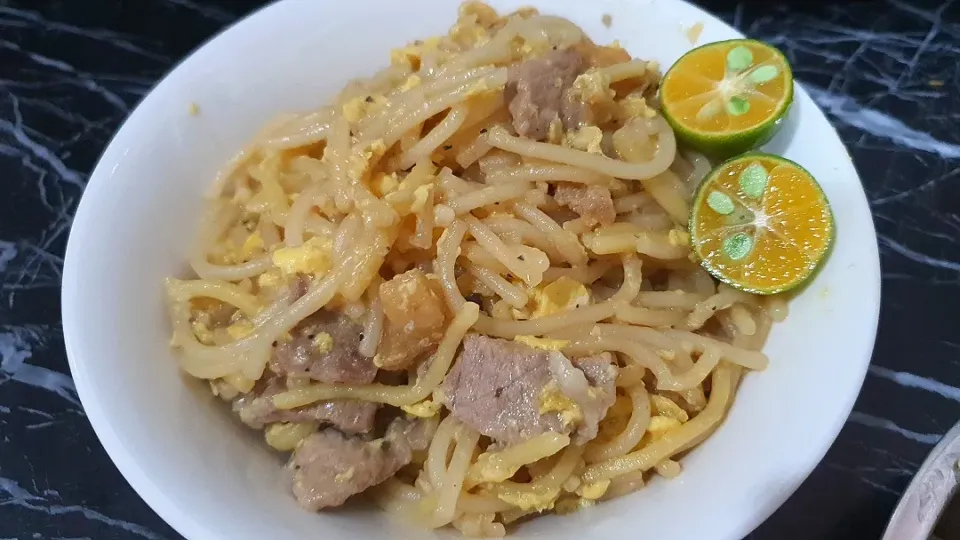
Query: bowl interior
point(211, 478)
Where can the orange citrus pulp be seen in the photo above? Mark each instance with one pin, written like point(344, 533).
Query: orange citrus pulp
point(761, 223)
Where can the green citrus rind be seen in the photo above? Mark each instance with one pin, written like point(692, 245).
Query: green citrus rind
point(718, 273)
point(725, 145)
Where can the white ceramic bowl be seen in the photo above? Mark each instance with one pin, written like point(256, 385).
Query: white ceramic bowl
point(212, 479)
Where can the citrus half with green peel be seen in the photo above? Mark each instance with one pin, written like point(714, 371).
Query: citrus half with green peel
point(728, 97)
point(761, 224)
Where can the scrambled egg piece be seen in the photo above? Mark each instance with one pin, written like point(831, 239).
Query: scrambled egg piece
point(355, 109)
point(252, 245)
point(483, 87)
point(562, 295)
point(230, 253)
point(678, 238)
point(420, 196)
point(538, 499)
point(412, 81)
point(546, 344)
point(271, 279)
point(203, 332)
point(587, 139)
point(469, 33)
point(555, 131)
point(240, 329)
point(594, 490)
point(635, 106)
point(531, 49)
point(223, 390)
point(384, 183)
point(664, 406)
point(413, 53)
point(693, 33)
point(323, 343)
point(490, 469)
point(313, 257)
point(423, 409)
point(594, 86)
point(406, 201)
point(359, 161)
point(553, 400)
point(660, 425)
point(618, 188)
point(501, 310)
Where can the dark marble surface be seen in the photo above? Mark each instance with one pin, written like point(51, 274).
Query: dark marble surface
point(885, 72)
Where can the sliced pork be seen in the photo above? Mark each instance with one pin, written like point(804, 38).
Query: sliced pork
point(511, 392)
point(330, 467)
point(535, 89)
point(592, 203)
point(324, 347)
point(256, 409)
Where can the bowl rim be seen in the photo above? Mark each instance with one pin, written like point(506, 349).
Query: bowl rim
point(183, 521)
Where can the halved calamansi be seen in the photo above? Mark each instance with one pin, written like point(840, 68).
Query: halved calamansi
point(728, 97)
point(761, 223)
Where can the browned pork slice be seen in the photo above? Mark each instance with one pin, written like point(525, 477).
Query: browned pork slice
point(414, 317)
point(535, 88)
point(511, 392)
point(256, 409)
point(330, 467)
point(324, 347)
point(592, 203)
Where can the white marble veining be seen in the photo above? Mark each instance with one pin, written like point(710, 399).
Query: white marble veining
point(910, 380)
point(15, 350)
point(12, 493)
point(889, 425)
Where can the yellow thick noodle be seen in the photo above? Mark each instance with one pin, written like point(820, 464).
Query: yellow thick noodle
point(422, 167)
point(684, 437)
